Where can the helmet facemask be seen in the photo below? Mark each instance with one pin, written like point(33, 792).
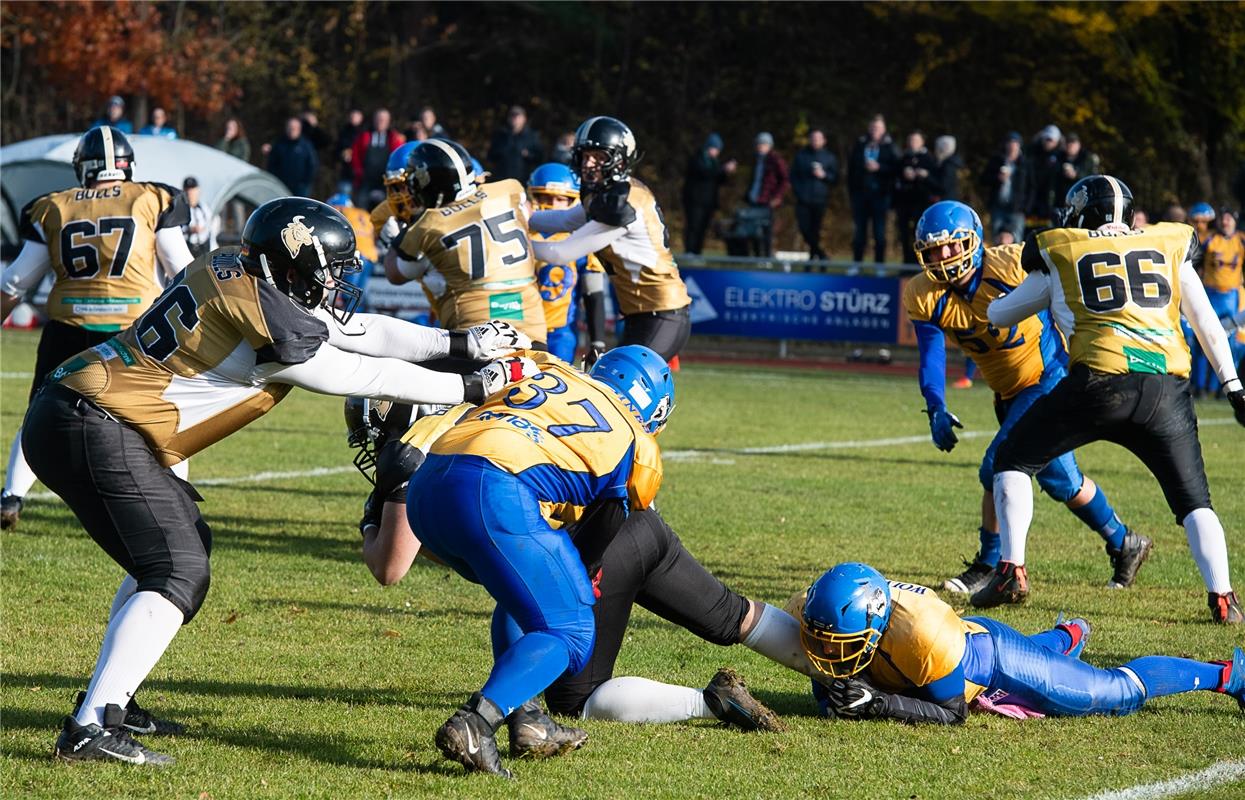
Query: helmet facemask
point(614, 166)
point(839, 655)
point(401, 201)
point(339, 298)
point(955, 266)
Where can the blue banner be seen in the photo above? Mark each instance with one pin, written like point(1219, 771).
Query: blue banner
point(783, 305)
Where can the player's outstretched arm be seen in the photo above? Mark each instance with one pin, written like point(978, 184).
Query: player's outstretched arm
point(589, 239)
point(557, 220)
point(24, 274)
point(1196, 307)
point(932, 378)
point(172, 251)
point(854, 698)
point(387, 337)
point(1030, 297)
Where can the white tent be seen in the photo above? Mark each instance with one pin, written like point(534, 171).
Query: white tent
point(38, 166)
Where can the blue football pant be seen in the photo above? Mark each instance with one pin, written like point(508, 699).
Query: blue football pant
point(562, 342)
point(1061, 478)
point(1057, 685)
point(486, 524)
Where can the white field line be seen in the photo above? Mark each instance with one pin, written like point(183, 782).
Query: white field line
point(16, 376)
point(712, 456)
point(1218, 773)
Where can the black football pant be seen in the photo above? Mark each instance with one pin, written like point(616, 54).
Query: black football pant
point(138, 511)
point(646, 563)
point(664, 332)
point(1150, 415)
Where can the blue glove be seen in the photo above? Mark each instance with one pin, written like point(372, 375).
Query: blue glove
point(941, 423)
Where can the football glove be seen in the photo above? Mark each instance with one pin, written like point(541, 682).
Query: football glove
point(853, 699)
point(495, 340)
point(1237, 398)
point(499, 374)
point(388, 233)
point(593, 354)
point(941, 425)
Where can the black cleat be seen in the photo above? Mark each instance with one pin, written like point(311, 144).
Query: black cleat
point(10, 511)
point(1128, 559)
point(468, 736)
point(1225, 608)
point(730, 701)
point(141, 721)
point(534, 735)
point(109, 742)
point(971, 580)
point(1009, 583)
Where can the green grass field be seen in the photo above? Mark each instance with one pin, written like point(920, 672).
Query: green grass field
point(303, 678)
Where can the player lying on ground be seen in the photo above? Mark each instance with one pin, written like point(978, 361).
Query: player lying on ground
point(890, 650)
point(1117, 295)
point(224, 344)
point(643, 563)
point(621, 222)
point(1019, 363)
point(111, 246)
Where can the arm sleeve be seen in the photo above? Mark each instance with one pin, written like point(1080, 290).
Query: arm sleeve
point(1030, 297)
point(171, 250)
point(386, 337)
point(1205, 322)
point(337, 372)
point(31, 264)
point(590, 238)
point(556, 221)
point(594, 305)
point(932, 376)
point(915, 711)
point(1031, 255)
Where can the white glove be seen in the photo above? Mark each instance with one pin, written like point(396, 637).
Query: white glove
point(388, 232)
point(494, 340)
point(503, 372)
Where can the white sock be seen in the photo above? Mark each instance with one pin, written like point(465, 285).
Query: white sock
point(1013, 505)
point(1210, 550)
point(124, 592)
point(20, 476)
point(641, 700)
point(182, 469)
point(776, 635)
point(136, 638)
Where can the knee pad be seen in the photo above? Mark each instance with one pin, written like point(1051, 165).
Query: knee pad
point(1061, 478)
point(185, 586)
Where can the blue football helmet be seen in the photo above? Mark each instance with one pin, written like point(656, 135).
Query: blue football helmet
point(553, 179)
point(1202, 212)
point(949, 222)
point(401, 202)
point(845, 614)
point(642, 379)
point(340, 200)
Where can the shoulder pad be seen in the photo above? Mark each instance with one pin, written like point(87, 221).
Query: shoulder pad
point(612, 207)
point(395, 464)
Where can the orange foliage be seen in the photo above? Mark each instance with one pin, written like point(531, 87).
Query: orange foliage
point(91, 50)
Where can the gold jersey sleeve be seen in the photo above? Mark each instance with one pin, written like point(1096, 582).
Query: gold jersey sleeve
point(1122, 291)
point(1222, 262)
point(924, 642)
point(1010, 359)
point(482, 256)
point(641, 267)
point(181, 375)
point(102, 246)
point(568, 437)
point(379, 216)
point(427, 429)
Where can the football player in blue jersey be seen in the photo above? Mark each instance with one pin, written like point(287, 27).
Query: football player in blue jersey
point(493, 500)
point(933, 663)
point(948, 300)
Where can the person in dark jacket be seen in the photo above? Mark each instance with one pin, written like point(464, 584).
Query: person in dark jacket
point(344, 150)
point(1045, 156)
point(1077, 163)
point(1005, 183)
point(769, 182)
point(814, 170)
point(947, 174)
point(293, 160)
point(704, 177)
point(914, 191)
point(871, 170)
point(516, 149)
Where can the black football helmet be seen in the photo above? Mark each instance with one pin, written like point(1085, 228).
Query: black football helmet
point(303, 248)
point(439, 172)
point(103, 154)
point(1096, 200)
point(618, 142)
point(371, 423)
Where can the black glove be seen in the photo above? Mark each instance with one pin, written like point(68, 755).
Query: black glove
point(1237, 398)
point(854, 699)
point(592, 355)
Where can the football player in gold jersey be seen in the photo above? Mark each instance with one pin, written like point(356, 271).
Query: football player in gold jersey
point(467, 243)
point(948, 301)
point(111, 245)
point(620, 220)
point(218, 349)
point(892, 650)
point(1117, 295)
